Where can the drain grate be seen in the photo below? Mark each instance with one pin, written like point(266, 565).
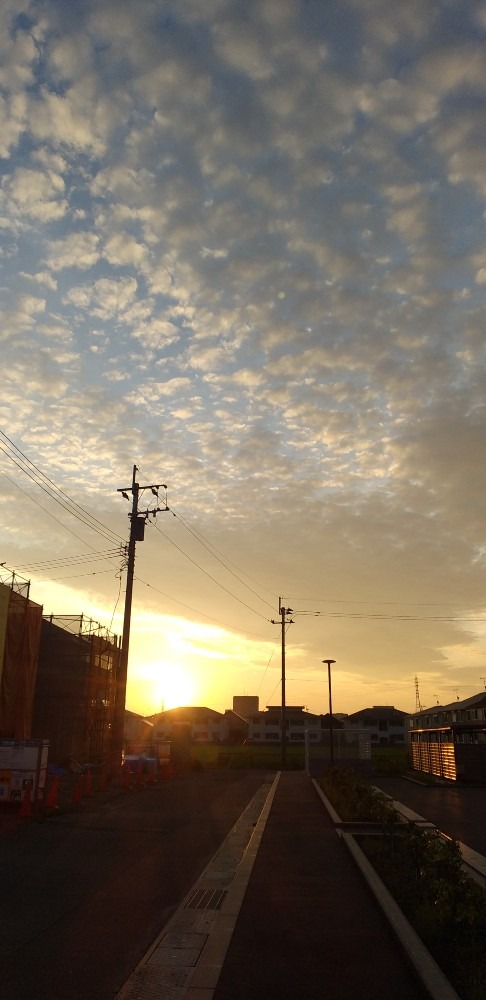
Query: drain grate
point(206, 899)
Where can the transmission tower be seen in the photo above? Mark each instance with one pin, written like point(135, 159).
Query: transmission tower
point(418, 703)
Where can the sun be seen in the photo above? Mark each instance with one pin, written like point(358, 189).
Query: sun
point(168, 685)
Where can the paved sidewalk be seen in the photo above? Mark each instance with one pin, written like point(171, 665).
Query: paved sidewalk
point(309, 927)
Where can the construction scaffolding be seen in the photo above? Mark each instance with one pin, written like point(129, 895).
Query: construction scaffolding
point(74, 698)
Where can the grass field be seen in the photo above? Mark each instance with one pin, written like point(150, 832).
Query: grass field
point(386, 760)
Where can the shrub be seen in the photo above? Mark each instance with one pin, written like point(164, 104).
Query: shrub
point(353, 799)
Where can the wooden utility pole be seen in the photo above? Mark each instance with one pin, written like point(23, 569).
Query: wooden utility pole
point(283, 612)
point(137, 532)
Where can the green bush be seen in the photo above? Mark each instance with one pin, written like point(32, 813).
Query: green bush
point(424, 874)
point(353, 799)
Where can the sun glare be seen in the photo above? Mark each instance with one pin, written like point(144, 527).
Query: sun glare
point(171, 686)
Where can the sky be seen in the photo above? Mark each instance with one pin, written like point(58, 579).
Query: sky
point(242, 248)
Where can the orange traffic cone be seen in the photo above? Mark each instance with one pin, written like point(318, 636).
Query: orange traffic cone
point(26, 804)
point(87, 784)
point(78, 790)
point(51, 799)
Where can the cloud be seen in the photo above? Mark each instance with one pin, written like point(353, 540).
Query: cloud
point(242, 247)
point(79, 250)
point(35, 193)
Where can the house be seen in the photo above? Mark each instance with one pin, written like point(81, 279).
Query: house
point(384, 724)
point(265, 727)
point(204, 725)
point(138, 732)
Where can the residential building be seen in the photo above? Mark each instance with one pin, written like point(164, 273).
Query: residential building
point(265, 727)
point(384, 724)
point(138, 732)
point(449, 741)
point(204, 725)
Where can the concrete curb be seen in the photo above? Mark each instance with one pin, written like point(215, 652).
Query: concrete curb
point(433, 979)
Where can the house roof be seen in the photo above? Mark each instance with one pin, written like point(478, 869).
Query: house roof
point(187, 713)
point(379, 712)
point(475, 701)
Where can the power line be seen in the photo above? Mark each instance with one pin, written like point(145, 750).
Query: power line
point(65, 561)
point(218, 584)
point(234, 628)
point(383, 617)
point(216, 553)
point(415, 604)
point(41, 506)
point(28, 468)
point(213, 551)
point(75, 576)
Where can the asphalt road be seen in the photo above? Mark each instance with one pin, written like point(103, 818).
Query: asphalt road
point(83, 896)
point(457, 810)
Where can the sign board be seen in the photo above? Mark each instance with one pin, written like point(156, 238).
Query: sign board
point(23, 764)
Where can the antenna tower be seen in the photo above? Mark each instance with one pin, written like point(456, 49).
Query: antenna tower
point(418, 703)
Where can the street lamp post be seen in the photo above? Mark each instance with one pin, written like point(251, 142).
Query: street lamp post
point(331, 732)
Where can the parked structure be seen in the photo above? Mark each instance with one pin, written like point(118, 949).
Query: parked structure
point(385, 725)
point(449, 741)
point(74, 691)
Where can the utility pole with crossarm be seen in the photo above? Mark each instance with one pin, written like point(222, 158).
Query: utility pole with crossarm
point(137, 530)
point(283, 612)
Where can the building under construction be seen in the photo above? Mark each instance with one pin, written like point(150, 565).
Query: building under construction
point(20, 627)
point(75, 688)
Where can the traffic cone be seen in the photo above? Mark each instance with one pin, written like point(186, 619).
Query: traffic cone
point(87, 784)
point(51, 799)
point(126, 776)
point(26, 804)
point(78, 791)
point(139, 778)
point(103, 781)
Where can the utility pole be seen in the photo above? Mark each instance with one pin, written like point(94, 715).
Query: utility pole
point(137, 532)
point(283, 612)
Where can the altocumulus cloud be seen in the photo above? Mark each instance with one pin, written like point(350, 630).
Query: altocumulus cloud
point(257, 230)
